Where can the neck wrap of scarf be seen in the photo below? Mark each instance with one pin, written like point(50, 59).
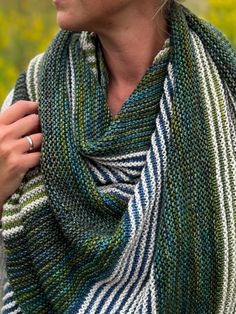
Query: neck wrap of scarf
point(134, 214)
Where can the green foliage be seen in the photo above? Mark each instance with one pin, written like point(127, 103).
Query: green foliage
point(222, 13)
point(27, 27)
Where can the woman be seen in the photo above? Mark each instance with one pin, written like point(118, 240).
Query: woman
point(130, 206)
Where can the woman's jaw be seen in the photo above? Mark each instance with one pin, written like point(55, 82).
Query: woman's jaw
point(129, 33)
point(102, 16)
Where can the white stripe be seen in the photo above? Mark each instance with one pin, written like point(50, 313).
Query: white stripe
point(32, 193)
point(131, 172)
point(25, 209)
point(232, 118)
point(72, 92)
point(111, 175)
point(121, 164)
point(12, 232)
point(121, 157)
point(9, 306)
point(153, 291)
point(30, 75)
point(6, 286)
point(123, 169)
point(114, 190)
point(39, 202)
point(204, 76)
point(15, 196)
point(8, 295)
point(17, 311)
point(36, 75)
point(9, 207)
point(8, 101)
point(97, 173)
point(91, 59)
point(121, 173)
point(140, 302)
point(233, 100)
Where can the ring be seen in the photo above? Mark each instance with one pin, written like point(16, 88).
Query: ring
point(31, 143)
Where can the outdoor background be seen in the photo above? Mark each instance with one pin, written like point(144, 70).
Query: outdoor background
point(27, 26)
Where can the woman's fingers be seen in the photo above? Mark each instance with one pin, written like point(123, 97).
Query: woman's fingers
point(30, 160)
point(17, 111)
point(24, 126)
point(15, 158)
point(22, 145)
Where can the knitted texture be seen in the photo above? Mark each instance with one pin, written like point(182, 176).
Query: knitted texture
point(21, 91)
point(133, 214)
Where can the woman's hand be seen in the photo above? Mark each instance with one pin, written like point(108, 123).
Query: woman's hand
point(19, 120)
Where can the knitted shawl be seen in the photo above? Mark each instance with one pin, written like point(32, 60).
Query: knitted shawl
point(133, 214)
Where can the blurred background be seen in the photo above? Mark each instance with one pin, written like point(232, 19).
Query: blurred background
point(27, 26)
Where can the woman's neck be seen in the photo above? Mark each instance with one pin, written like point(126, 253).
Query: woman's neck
point(129, 49)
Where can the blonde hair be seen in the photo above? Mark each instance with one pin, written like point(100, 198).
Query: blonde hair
point(165, 7)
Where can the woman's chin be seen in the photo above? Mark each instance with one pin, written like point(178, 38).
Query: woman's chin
point(64, 22)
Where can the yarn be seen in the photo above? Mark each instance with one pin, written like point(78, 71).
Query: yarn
point(134, 214)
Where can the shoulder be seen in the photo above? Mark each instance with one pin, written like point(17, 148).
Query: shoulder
point(31, 77)
point(33, 69)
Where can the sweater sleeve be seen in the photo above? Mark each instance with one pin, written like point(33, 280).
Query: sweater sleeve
point(8, 101)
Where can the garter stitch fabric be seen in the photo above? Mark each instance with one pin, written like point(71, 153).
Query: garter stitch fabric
point(134, 214)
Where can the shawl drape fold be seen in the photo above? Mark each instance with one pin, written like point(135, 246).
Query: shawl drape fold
point(134, 214)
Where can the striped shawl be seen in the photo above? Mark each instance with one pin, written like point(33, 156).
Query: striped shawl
point(133, 214)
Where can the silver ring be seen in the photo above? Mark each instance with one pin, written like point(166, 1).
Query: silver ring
point(31, 143)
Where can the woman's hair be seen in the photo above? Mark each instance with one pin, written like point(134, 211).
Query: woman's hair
point(165, 7)
point(167, 4)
